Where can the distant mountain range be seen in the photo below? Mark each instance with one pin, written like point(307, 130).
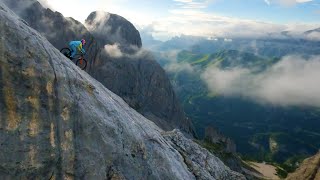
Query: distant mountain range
point(306, 43)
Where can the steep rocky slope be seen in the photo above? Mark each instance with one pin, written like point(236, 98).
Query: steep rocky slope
point(56, 122)
point(308, 170)
point(140, 81)
point(135, 75)
point(58, 29)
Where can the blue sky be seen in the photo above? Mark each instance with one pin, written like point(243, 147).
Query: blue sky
point(167, 18)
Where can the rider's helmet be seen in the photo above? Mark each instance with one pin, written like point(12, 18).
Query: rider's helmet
point(83, 41)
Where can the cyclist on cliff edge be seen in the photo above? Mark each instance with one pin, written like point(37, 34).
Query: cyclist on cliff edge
point(76, 46)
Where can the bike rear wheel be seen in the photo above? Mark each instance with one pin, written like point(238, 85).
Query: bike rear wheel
point(66, 52)
point(82, 63)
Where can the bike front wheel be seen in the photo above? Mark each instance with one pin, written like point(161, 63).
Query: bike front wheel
point(81, 63)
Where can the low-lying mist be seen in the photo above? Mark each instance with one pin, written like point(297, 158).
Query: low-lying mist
point(293, 81)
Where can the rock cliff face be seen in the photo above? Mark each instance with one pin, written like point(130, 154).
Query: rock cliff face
point(142, 83)
point(133, 73)
point(214, 136)
point(111, 28)
point(122, 67)
point(53, 25)
point(308, 170)
point(225, 149)
point(56, 122)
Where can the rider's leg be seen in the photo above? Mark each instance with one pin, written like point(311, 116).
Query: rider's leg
point(73, 51)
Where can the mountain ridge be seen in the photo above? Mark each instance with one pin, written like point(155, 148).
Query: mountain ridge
point(58, 122)
point(136, 80)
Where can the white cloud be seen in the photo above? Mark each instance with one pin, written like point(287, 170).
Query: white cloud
point(188, 18)
point(45, 4)
point(313, 36)
point(267, 2)
point(173, 65)
point(99, 22)
point(287, 2)
point(303, 1)
point(170, 55)
point(193, 4)
point(177, 67)
point(198, 23)
point(113, 50)
point(292, 81)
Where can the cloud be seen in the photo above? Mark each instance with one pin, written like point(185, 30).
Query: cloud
point(293, 81)
point(286, 2)
point(130, 52)
point(172, 64)
point(197, 23)
point(191, 19)
point(113, 50)
point(193, 4)
point(313, 36)
point(45, 4)
point(170, 55)
point(267, 2)
point(99, 22)
point(178, 67)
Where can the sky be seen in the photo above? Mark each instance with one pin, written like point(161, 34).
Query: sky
point(209, 18)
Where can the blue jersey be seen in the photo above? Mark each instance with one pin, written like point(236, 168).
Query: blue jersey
point(78, 46)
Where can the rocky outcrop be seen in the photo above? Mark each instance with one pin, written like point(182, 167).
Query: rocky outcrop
point(111, 28)
point(56, 122)
point(142, 83)
point(197, 157)
point(133, 73)
point(225, 149)
point(129, 72)
point(308, 170)
point(212, 135)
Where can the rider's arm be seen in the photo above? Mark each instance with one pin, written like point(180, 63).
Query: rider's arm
point(81, 49)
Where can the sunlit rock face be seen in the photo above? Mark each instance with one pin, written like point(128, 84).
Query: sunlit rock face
point(115, 59)
point(57, 122)
point(111, 28)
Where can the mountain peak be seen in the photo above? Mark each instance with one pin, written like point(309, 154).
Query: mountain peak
point(111, 28)
point(57, 122)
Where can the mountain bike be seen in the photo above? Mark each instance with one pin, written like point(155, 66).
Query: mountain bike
point(81, 62)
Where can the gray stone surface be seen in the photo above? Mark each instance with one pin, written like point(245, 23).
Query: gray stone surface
point(56, 122)
point(118, 29)
point(53, 25)
point(214, 136)
point(200, 162)
point(143, 84)
point(135, 76)
point(133, 73)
